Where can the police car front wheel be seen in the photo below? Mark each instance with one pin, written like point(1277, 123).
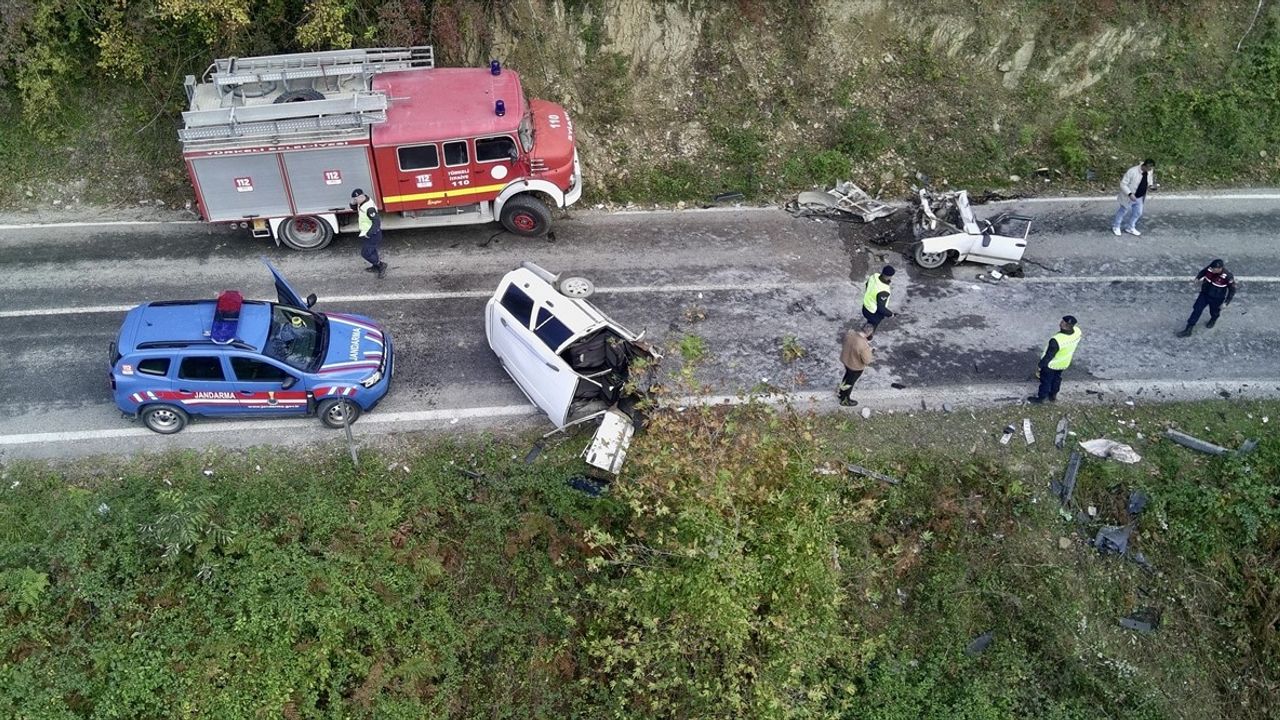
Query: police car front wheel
point(164, 419)
point(336, 413)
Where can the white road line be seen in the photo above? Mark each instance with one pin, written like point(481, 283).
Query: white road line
point(1160, 196)
point(456, 295)
point(102, 223)
point(1050, 279)
point(879, 399)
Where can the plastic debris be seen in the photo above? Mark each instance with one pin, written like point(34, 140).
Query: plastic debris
point(866, 412)
point(1113, 539)
point(980, 644)
point(1067, 486)
point(1101, 447)
point(1137, 503)
point(1026, 431)
point(1008, 433)
point(1195, 443)
point(590, 486)
point(859, 470)
point(1060, 437)
point(1144, 620)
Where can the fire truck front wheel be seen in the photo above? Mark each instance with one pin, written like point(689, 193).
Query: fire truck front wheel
point(305, 232)
point(526, 215)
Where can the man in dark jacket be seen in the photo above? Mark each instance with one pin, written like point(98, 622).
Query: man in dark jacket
point(1217, 288)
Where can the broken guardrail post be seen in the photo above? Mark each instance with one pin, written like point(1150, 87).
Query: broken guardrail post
point(1195, 443)
point(1065, 488)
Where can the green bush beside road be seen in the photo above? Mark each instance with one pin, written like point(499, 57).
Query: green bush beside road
point(734, 571)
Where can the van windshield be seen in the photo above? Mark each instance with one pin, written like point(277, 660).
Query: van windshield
point(296, 338)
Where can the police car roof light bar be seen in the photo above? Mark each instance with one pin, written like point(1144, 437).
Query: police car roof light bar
point(226, 317)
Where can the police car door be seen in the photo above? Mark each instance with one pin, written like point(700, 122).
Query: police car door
point(204, 386)
point(264, 388)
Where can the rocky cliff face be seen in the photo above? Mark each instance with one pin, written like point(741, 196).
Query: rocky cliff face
point(743, 92)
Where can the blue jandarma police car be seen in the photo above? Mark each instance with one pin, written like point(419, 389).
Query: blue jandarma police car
point(232, 357)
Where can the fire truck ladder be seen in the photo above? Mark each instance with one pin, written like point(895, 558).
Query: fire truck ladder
point(284, 119)
point(332, 65)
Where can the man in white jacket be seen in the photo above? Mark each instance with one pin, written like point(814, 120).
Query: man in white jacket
point(1133, 192)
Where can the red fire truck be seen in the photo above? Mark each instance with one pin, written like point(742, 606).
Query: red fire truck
point(277, 143)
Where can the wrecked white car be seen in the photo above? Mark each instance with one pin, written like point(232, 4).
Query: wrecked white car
point(571, 360)
point(946, 229)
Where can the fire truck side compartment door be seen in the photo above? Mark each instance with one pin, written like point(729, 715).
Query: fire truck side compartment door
point(241, 186)
point(322, 179)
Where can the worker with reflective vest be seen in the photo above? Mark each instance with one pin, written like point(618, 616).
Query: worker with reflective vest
point(875, 298)
point(370, 223)
point(1056, 358)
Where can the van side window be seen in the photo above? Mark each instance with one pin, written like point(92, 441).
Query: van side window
point(550, 330)
point(518, 304)
point(154, 366)
point(494, 148)
point(455, 153)
point(418, 157)
point(201, 368)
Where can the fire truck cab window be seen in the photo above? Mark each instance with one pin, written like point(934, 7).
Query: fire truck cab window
point(455, 153)
point(495, 148)
point(418, 157)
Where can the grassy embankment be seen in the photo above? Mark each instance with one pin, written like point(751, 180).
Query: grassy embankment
point(726, 575)
point(770, 109)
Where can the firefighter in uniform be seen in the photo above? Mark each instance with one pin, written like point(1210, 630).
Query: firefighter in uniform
point(1056, 358)
point(370, 222)
point(875, 298)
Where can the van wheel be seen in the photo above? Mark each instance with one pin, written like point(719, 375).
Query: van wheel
point(305, 232)
point(526, 215)
point(164, 419)
point(300, 95)
point(335, 413)
point(930, 261)
point(579, 288)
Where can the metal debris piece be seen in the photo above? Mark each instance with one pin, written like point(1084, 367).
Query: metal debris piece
point(897, 386)
point(1113, 538)
point(980, 644)
point(859, 470)
point(588, 485)
point(1144, 620)
point(1008, 433)
point(533, 453)
point(1247, 447)
point(1195, 443)
point(729, 197)
point(1060, 437)
point(1064, 489)
point(1026, 431)
point(1137, 503)
point(845, 201)
point(1102, 447)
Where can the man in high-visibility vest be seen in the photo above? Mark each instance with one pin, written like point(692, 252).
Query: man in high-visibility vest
point(370, 222)
point(1056, 358)
point(875, 298)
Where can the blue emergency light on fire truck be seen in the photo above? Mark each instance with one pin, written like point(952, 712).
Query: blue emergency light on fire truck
point(236, 357)
point(277, 143)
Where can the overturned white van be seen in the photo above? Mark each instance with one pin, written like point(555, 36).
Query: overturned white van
point(571, 360)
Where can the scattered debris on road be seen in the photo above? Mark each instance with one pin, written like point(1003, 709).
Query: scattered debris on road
point(1113, 539)
point(859, 470)
point(1104, 448)
point(1064, 489)
point(1060, 437)
point(845, 202)
point(1026, 431)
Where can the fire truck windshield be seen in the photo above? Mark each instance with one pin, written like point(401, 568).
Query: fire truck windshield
point(296, 338)
point(526, 131)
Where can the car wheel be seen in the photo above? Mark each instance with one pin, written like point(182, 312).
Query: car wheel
point(305, 232)
point(929, 260)
point(164, 419)
point(576, 287)
point(335, 413)
point(526, 215)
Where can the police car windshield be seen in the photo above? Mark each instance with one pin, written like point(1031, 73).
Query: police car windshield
point(296, 338)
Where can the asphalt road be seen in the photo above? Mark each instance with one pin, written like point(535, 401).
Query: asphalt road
point(743, 280)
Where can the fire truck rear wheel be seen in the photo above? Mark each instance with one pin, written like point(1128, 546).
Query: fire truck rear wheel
point(526, 215)
point(305, 232)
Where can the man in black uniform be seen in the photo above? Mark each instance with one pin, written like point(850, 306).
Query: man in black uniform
point(1217, 288)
